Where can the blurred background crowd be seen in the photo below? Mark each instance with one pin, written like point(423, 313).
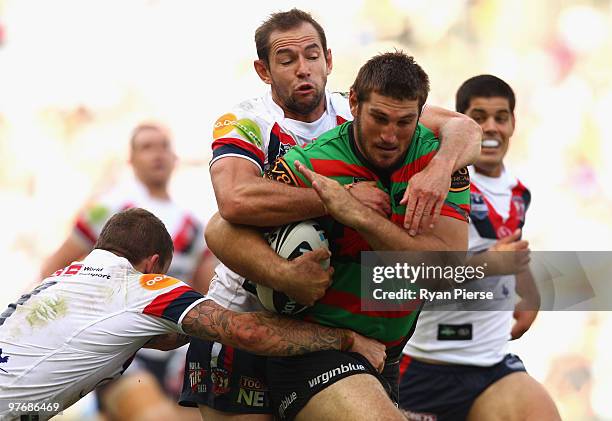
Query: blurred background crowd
point(77, 76)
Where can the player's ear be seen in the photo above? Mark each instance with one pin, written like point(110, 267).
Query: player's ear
point(328, 60)
point(353, 103)
point(151, 264)
point(262, 71)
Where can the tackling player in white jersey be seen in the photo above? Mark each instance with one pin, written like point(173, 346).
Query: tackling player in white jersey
point(153, 160)
point(294, 60)
point(80, 328)
point(456, 365)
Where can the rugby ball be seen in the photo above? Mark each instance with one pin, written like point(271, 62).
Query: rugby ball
point(291, 241)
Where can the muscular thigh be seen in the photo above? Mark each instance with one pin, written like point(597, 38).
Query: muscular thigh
point(354, 398)
point(516, 396)
point(294, 381)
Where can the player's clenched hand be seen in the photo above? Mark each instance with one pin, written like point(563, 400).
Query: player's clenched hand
point(341, 205)
point(512, 254)
point(374, 351)
point(307, 280)
point(370, 195)
point(425, 196)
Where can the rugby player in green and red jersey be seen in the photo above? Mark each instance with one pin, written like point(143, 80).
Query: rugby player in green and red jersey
point(294, 59)
point(386, 145)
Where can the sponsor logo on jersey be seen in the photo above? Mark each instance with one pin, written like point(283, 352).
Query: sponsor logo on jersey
point(97, 214)
point(154, 281)
point(281, 172)
point(448, 332)
point(246, 127)
point(503, 231)
point(3, 360)
point(220, 380)
point(519, 205)
point(460, 180)
point(478, 208)
point(252, 392)
point(286, 403)
point(68, 270)
point(196, 375)
point(323, 378)
point(96, 272)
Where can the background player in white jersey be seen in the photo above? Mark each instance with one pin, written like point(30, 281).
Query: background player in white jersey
point(81, 327)
point(294, 60)
point(153, 161)
point(456, 364)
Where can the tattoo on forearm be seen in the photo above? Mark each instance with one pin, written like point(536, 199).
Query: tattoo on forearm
point(262, 333)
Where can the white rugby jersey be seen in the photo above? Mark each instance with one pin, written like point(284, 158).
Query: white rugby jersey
point(497, 209)
point(258, 131)
point(186, 231)
point(81, 327)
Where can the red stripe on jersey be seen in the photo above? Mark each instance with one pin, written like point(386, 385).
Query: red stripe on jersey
point(182, 238)
point(282, 136)
point(337, 168)
point(398, 219)
point(403, 174)
point(86, 230)
point(340, 120)
point(453, 213)
point(239, 143)
point(160, 303)
point(352, 304)
point(228, 358)
point(404, 364)
point(351, 243)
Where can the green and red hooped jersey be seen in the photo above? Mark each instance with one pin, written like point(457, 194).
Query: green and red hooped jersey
point(335, 155)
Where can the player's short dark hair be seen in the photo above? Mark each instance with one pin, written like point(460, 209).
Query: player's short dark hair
point(284, 21)
point(136, 234)
point(484, 86)
point(393, 74)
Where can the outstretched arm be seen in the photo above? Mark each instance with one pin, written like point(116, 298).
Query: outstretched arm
point(265, 333)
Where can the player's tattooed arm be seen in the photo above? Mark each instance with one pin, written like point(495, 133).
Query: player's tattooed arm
point(261, 333)
point(264, 333)
point(167, 342)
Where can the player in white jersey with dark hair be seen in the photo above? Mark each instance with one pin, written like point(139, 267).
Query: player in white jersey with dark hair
point(456, 365)
point(80, 328)
point(293, 58)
